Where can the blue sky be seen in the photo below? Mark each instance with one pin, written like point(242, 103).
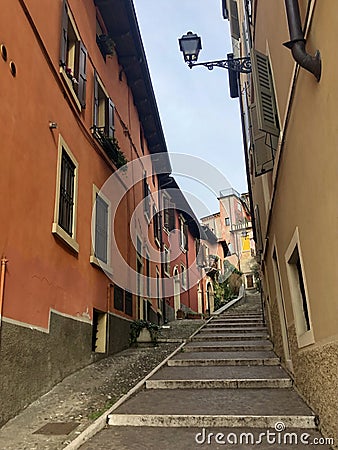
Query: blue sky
point(198, 117)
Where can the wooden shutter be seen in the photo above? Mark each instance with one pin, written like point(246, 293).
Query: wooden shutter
point(110, 108)
point(101, 229)
point(225, 9)
point(234, 23)
point(262, 154)
point(185, 232)
point(258, 230)
point(80, 72)
point(96, 101)
point(264, 93)
point(171, 218)
point(64, 34)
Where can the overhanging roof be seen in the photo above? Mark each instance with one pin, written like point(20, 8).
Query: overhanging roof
point(121, 22)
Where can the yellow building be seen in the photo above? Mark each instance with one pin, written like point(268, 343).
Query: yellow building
point(289, 104)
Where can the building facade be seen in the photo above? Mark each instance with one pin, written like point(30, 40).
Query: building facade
point(79, 259)
point(288, 106)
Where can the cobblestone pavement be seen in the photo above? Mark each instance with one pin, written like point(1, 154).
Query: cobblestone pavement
point(80, 398)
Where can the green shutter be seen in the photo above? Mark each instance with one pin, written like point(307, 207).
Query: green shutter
point(64, 34)
point(80, 72)
point(234, 22)
point(96, 101)
point(262, 154)
point(110, 111)
point(264, 93)
point(101, 229)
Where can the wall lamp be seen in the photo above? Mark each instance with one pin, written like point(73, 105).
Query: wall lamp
point(190, 46)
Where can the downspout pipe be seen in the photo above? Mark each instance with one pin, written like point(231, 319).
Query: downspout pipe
point(297, 41)
point(2, 284)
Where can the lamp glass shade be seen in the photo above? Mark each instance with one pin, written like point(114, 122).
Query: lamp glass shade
point(190, 46)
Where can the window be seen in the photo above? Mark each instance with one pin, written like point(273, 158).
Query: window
point(183, 277)
point(166, 261)
point(118, 298)
point(168, 214)
point(66, 205)
point(101, 230)
point(147, 274)
point(103, 40)
point(103, 114)
point(183, 234)
point(64, 225)
point(298, 292)
point(128, 303)
point(264, 94)
point(227, 221)
point(158, 294)
point(157, 226)
point(73, 57)
point(146, 196)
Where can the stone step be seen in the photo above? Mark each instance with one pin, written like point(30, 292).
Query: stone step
point(232, 336)
point(225, 358)
point(233, 330)
point(247, 383)
point(215, 407)
point(219, 373)
point(224, 336)
point(201, 420)
point(129, 438)
point(227, 324)
point(243, 347)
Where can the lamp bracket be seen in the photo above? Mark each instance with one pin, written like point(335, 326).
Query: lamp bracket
point(242, 65)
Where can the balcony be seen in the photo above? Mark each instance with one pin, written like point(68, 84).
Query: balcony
point(110, 146)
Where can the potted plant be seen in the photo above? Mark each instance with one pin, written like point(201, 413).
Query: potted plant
point(143, 331)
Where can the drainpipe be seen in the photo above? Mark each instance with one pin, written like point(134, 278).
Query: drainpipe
point(2, 284)
point(297, 41)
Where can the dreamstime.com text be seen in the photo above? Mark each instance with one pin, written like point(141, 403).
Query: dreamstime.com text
point(277, 436)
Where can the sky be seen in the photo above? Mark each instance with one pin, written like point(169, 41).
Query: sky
point(197, 114)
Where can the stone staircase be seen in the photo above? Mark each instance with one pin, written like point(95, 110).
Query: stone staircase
point(226, 379)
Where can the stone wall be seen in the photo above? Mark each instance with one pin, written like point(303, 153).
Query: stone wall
point(32, 362)
point(316, 378)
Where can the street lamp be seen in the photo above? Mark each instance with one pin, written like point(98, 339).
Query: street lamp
point(190, 46)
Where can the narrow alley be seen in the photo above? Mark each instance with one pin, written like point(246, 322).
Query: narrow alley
point(225, 387)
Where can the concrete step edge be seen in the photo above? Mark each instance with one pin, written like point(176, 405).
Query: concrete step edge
point(248, 383)
point(238, 348)
point(224, 362)
point(199, 421)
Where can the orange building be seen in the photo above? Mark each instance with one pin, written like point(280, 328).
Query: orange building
point(77, 103)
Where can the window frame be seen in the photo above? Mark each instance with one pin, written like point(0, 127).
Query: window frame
point(57, 230)
point(74, 75)
point(166, 262)
point(184, 278)
point(305, 337)
point(106, 266)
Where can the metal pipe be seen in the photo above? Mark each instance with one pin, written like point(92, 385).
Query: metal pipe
point(2, 284)
point(297, 41)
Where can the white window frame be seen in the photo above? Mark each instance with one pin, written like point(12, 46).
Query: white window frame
point(304, 337)
point(56, 228)
point(94, 259)
point(184, 280)
point(166, 261)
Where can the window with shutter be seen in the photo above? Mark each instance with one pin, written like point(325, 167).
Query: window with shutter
point(264, 94)
point(73, 57)
point(258, 230)
point(234, 22)
point(146, 196)
point(157, 226)
point(101, 229)
point(263, 154)
point(118, 298)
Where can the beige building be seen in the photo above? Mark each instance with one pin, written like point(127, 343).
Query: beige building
point(289, 106)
